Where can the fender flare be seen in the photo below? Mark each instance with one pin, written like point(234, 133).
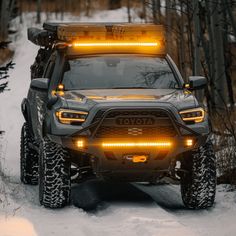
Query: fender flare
point(46, 127)
point(25, 109)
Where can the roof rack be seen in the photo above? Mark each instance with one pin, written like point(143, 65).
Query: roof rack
point(72, 33)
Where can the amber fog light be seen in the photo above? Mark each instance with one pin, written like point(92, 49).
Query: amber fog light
point(80, 143)
point(189, 143)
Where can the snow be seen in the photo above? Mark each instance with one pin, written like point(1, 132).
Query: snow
point(122, 209)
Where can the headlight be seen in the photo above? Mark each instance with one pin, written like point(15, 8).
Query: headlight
point(195, 115)
point(71, 117)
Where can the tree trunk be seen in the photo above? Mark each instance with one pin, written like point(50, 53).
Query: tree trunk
point(219, 81)
point(144, 12)
point(158, 10)
point(128, 11)
point(154, 11)
point(168, 25)
point(63, 4)
point(228, 7)
point(197, 41)
point(227, 53)
point(4, 19)
point(182, 51)
point(20, 12)
point(190, 33)
point(87, 7)
point(38, 21)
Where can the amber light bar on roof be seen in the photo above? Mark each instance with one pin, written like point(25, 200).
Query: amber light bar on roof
point(118, 44)
point(137, 144)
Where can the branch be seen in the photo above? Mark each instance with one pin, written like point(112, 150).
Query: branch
point(3, 87)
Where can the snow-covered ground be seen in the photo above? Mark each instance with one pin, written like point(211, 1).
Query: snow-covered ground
point(123, 209)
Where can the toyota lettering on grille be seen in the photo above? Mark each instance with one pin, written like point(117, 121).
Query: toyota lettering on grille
point(142, 121)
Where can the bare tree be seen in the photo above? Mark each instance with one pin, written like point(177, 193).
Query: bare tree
point(168, 24)
point(228, 6)
point(158, 9)
point(4, 69)
point(144, 12)
point(228, 17)
point(197, 69)
point(154, 11)
point(4, 18)
point(181, 29)
point(219, 81)
point(128, 11)
point(38, 21)
point(87, 7)
point(8, 11)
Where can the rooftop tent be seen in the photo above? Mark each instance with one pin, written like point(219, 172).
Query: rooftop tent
point(84, 38)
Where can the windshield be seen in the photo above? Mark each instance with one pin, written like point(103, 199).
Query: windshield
point(118, 72)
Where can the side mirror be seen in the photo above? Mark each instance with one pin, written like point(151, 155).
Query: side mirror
point(196, 82)
point(40, 84)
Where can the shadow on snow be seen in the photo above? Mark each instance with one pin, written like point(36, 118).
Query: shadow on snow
point(95, 194)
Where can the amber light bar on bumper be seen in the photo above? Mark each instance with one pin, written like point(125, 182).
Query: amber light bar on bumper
point(195, 115)
point(136, 144)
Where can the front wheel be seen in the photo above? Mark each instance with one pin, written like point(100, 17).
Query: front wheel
point(54, 175)
point(198, 185)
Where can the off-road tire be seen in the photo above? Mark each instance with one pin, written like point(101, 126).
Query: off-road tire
point(54, 175)
point(198, 186)
point(29, 157)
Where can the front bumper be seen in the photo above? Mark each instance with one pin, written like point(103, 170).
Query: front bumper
point(115, 162)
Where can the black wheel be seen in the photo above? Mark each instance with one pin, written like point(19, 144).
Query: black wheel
point(29, 157)
point(198, 186)
point(54, 175)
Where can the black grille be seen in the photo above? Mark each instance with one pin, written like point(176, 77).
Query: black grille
point(163, 126)
point(114, 114)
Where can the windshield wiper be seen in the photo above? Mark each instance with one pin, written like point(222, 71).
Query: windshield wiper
point(131, 88)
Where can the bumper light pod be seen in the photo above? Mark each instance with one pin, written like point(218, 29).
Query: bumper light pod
point(80, 143)
point(189, 142)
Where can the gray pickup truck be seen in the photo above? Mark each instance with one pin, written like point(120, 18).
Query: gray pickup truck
point(106, 102)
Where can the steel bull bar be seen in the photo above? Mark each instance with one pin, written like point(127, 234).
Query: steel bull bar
point(97, 124)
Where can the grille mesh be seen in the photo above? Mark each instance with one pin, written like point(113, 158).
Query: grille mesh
point(125, 132)
point(114, 114)
point(159, 130)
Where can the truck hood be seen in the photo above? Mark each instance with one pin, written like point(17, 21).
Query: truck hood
point(179, 98)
